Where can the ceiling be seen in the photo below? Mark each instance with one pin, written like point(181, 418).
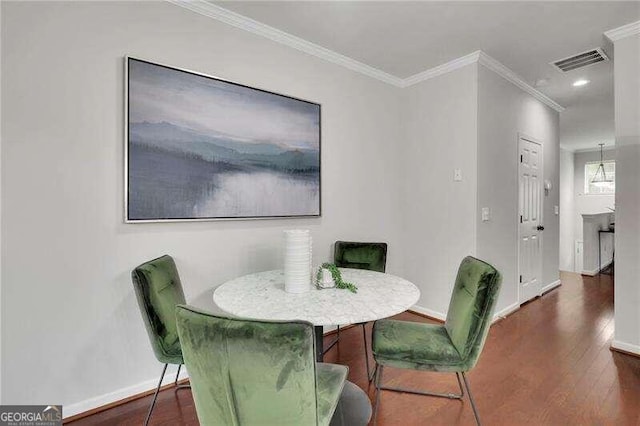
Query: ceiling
point(406, 38)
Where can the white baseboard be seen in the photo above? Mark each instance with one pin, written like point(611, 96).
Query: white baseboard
point(514, 307)
point(117, 395)
point(550, 287)
point(627, 347)
point(428, 312)
point(594, 272)
point(504, 312)
point(440, 316)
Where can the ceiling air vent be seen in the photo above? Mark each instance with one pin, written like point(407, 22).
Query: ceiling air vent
point(581, 60)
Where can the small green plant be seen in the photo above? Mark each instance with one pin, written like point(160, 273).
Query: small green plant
point(337, 277)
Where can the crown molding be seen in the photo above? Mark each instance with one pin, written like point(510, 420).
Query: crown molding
point(442, 69)
point(514, 78)
point(240, 21)
point(583, 150)
point(490, 63)
point(623, 31)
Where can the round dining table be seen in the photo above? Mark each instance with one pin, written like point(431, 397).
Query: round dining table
point(262, 296)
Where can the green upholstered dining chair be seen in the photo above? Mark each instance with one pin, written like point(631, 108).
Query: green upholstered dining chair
point(453, 347)
point(247, 372)
point(159, 290)
point(357, 255)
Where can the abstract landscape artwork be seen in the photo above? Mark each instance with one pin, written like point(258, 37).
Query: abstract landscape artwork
point(201, 148)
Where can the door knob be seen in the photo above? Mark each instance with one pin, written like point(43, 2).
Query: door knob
point(540, 228)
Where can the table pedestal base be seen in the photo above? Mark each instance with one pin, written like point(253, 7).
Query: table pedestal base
point(319, 342)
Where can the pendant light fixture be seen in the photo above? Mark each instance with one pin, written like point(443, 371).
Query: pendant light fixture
point(600, 178)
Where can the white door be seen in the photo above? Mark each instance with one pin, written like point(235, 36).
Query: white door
point(530, 209)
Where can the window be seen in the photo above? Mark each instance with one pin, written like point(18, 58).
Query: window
point(590, 170)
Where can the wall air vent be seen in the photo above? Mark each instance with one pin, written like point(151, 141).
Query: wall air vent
point(580, 60)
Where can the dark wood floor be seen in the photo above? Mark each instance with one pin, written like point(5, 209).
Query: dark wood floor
point(547, 364)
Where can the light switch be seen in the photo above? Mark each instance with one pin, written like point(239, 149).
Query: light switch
point(457, 175)
point(556, 209)
point(486, 214)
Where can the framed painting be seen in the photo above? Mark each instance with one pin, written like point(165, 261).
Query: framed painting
point(201, 148)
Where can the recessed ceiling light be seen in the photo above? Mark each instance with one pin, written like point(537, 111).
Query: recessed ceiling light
point(580, 82)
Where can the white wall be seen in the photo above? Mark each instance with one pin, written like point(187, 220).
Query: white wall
point(567, 246)
point(439, 223)
point(70, 325)
point(589, 203)
point(1, 29)
point(504, 111)
point(627, 285)
point(470, 119)
point(388, 161)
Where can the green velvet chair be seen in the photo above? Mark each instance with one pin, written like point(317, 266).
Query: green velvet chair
point(453, 347)
point(246, 372)
point(158, 290)
point(357, 255)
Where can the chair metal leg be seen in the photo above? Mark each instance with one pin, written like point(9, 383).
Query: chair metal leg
point(473, 404)
point(175, 382)
point(370, 374)
point(423, 393)
point(440, 395)
point(460, 385)
point(332, 344)
point(155, 396)
point(378, 376)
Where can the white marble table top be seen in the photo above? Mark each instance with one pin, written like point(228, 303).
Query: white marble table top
point(262, 296)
